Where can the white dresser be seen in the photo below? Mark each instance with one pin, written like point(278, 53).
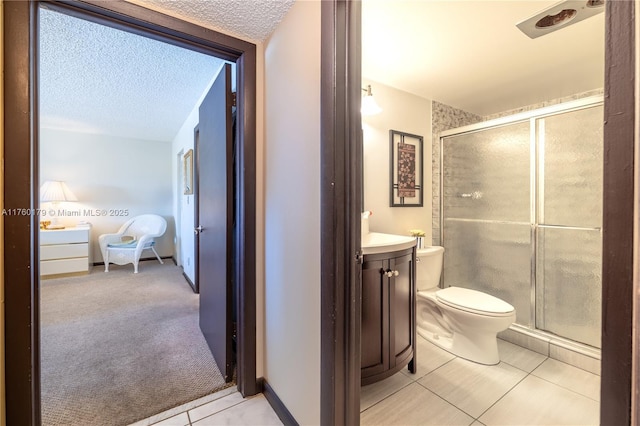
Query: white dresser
point(64, 251)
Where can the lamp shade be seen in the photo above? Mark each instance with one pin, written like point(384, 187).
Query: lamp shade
point(55, 191)
point(369, 105)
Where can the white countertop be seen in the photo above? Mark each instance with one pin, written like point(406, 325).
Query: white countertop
point(375, 242)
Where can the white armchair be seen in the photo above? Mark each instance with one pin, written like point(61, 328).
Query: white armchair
point(132, 238)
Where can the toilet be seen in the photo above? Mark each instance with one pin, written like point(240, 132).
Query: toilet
point(459, 320)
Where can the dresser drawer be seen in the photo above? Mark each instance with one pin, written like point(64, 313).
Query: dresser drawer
point(64, 236)
point(64, 251)
point(64, 266)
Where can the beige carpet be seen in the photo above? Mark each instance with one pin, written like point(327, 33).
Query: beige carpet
point(118, 347)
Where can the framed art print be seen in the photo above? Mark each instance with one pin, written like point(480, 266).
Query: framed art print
point(406, 169)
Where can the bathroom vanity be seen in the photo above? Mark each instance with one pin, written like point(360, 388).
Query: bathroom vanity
point(388, 330)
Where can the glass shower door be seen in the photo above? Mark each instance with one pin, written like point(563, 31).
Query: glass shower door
point(569, 237)
point(486, 190)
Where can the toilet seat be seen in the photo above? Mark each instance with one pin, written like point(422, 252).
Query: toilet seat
point(474, 301)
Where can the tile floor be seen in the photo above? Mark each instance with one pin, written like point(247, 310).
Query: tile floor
point(226, 407)
point(525, 388)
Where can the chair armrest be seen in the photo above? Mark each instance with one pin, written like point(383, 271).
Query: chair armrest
point(144, 240)
point(109, 238)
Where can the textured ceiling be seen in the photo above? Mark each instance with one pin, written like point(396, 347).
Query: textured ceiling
point(98, 79)
point(254, 20)
point(470, 54)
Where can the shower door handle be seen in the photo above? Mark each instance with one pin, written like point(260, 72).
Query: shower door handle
point(475, 195)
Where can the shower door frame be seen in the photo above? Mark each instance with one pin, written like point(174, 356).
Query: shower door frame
point(532, 117)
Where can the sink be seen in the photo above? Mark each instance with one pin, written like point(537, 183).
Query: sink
point(376, 242)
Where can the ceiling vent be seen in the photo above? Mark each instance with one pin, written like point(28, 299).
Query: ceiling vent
point(559, 16)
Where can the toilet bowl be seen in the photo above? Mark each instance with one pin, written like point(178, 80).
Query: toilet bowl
point(462, 321)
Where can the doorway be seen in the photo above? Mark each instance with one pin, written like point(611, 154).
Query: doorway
point(340, 396)
point(22, 296)
point(108, 124)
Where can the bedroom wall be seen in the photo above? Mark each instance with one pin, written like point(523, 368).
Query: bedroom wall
point(124, 177)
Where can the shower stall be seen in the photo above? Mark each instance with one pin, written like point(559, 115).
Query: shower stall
point(521, 215)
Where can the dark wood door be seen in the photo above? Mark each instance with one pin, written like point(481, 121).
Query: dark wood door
point(215, 214)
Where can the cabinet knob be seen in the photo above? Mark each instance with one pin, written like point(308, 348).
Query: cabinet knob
point(389, 273)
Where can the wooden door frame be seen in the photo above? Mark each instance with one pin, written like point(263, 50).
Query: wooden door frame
point(195, 285)
point(341, 201)
point(21, 268)
point(341, 60)
point(618, 297)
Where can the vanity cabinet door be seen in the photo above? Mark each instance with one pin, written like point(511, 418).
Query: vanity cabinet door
point(401, 310)
point(388, 329)
point(375, 318)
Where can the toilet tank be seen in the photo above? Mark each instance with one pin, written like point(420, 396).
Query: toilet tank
point(429, 267)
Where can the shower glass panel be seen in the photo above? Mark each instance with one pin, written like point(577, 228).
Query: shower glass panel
point(568, 283)
point(569, 241)
point(486, 174)
point(487, 202)
point(570, 168)
point(491, 257)
point(521, 215)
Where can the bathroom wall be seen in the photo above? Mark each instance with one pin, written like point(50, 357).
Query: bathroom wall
point(407, 113)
